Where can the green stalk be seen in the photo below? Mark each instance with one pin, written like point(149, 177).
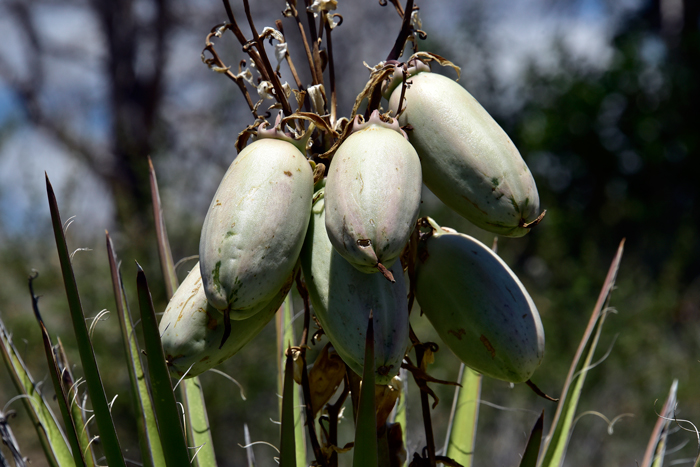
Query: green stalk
point(198, 429)
point(461, 434)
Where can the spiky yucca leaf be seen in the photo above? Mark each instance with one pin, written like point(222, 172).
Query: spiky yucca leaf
point(167, 413)
point(149, 439)
point(77, 413)
point(285, 336)
point(558, 438)
point(532, 449)
point(50, 434)
point(198, 431)
point(656, 448)
point(61, 392)
point(288, 446)
point(166, 257)
point(103, 417)
point(365, 451)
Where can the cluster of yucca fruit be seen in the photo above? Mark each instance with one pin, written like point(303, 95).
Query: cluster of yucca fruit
point(331, 205)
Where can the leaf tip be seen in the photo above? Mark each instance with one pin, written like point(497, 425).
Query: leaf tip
point(49, 187)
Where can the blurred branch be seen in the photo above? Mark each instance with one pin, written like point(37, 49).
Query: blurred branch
point(134, 92)
point(404, 33)
point(135, 98)
point(22, 17)
point(28, 89)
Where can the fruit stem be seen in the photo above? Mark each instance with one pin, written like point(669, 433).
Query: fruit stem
point(316, 63)
point(404, 86)
point(425, 407)
point(539, 391)
point(292, 68)
point(271, 75)
point(320, 458)
point(216, 60)
point(386, 273)
point(304, 40)
point(331, 69)
point(254, 55)
point(403, 34)
point(333, 413)
point(529, 225)
point(410, 258)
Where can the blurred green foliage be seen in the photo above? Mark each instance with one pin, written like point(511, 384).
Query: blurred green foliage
point(615, 156)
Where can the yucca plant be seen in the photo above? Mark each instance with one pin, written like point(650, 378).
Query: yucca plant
point(384, 271)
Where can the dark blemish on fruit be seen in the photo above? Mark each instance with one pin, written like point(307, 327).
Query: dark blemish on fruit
point(474, 204)
point(211, 322)
point(288, 173)
point(515, 204)
point(423, 255)
point(457, 334)
point(488, 346)
point(364, 242)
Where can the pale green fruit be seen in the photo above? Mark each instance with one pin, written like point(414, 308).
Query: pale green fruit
point(255, 226)
point(468, 161)
point(191, 329)
point(478, 306)
point(373, 193)
point(342, 298)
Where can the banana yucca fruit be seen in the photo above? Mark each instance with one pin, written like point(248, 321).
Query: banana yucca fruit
point(255, 226)
point(478, 306)
point(373, 194)
point(468, 161)
point(343, 296)
point(191, 329)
